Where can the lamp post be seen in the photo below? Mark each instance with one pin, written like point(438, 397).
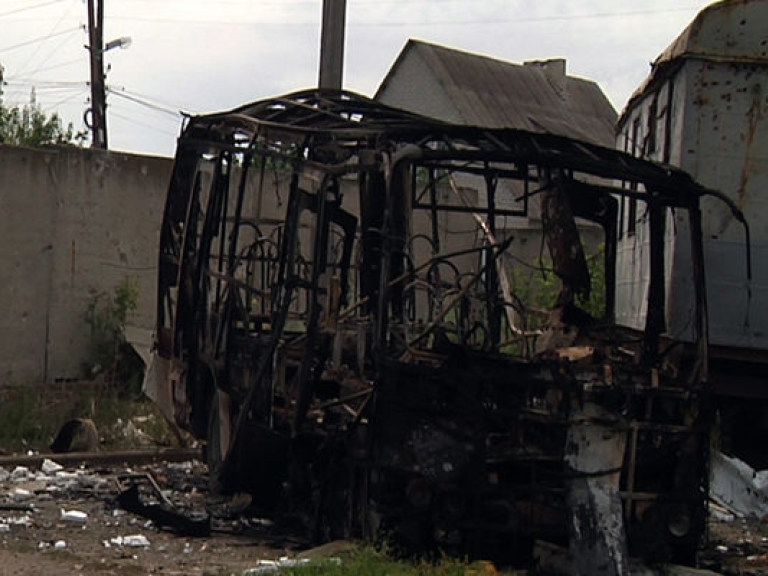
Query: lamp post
point(96, 49)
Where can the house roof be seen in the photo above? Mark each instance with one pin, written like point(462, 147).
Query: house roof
point(491, 93)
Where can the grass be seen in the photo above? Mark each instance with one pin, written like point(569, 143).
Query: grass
point(30, 416)
point(368, 561)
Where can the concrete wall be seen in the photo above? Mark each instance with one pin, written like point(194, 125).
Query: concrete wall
point(72, 222)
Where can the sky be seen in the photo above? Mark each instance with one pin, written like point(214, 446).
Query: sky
point(201, 56)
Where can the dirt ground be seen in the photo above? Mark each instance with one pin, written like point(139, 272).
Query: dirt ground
point(738, 547)
point(67, 521)
point(47, 540)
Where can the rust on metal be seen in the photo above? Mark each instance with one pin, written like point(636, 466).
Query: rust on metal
point(350, 361)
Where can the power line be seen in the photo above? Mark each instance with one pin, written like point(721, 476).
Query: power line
point(151, 99)
point(50, 32)
point(28, 8)
point(145, 103)
point(40, 39)
point(59, 65)
point(36, 82)
point(382, 24)
point(67, 99)
point(144, 124)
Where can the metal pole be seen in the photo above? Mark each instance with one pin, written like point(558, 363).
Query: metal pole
point(332, 44)
point(98, 96)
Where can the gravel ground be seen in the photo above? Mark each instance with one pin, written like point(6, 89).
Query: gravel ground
point(67, 522)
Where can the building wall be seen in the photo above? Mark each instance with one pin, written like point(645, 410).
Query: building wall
point(73, 223)
point(416, 89)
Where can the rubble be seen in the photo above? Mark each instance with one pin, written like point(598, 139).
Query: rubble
point(50, 467)
point(276, 566)
point(130, 541)
point(74, 516)
point(83, 516)
point(738, 487)
point(112, 534)
point(19, 474)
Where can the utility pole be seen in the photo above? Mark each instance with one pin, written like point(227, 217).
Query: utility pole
point(98, 120)
point(332, 44)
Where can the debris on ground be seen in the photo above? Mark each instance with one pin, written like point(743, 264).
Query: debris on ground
point(72, 522)
point(737, 487)
point(76, 435)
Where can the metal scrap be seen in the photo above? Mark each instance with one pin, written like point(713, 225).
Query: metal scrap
point(351, 362)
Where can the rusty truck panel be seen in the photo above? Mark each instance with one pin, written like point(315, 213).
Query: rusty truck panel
point(703, 109)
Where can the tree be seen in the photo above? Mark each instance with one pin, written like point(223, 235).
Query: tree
point(29, 125)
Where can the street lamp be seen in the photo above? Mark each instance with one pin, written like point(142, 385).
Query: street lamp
point(123, 42)
point(96, 49)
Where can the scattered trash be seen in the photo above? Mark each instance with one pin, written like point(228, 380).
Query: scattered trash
point(74, 516)
point(59, 545)
point(21, 494)
point(274, 566)
point(19, 474)
point(4, 528)
point(133, 433)
point(24, 521)
point(16, 507)
point(50, 467)
point(130, 541)
point(721, 514)
point(161, 516)
point(734, 486)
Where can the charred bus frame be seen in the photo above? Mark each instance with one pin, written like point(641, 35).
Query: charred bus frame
point(336, 368)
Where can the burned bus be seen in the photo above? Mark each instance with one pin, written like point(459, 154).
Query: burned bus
point(337, 320)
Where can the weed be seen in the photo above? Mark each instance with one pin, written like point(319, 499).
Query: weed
point(369, 561)
point(111, 355)
point(30, 416)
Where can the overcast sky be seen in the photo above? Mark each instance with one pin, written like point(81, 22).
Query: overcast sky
point(200, 56)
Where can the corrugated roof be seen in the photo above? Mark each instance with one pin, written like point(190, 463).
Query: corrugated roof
point(732, 31)
point(492, 93)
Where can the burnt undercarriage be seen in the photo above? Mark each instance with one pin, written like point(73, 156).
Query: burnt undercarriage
point(337, 319)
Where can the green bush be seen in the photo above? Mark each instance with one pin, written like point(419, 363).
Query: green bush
point(537, 288)
point(111, 355)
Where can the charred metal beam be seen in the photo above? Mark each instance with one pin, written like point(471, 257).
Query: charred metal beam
point(162, 516)
point(563, 238)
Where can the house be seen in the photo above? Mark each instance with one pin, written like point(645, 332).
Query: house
point(475, 90)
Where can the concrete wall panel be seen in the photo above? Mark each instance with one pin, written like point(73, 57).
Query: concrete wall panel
point(73, 222)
